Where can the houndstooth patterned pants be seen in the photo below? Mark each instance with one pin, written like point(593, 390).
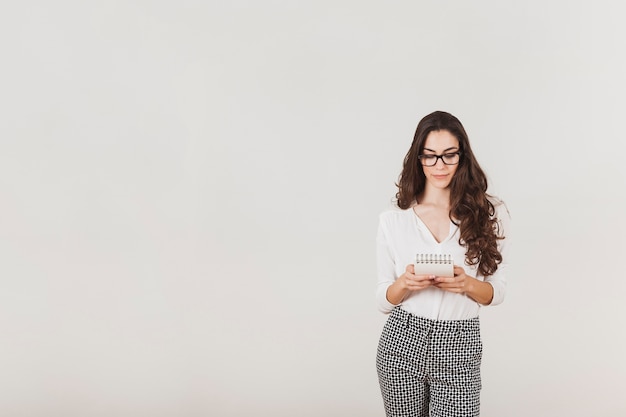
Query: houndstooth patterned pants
point(429, 367)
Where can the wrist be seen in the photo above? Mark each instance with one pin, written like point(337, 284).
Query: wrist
point(470, 285)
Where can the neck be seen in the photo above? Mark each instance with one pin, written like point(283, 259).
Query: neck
point(437, 197)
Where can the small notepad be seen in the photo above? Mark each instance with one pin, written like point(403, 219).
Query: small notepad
point(441, 265)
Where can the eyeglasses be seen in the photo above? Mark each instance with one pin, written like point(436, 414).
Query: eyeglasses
point(447, 158)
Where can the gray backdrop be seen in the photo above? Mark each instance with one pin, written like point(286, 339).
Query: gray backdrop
point(190, 193)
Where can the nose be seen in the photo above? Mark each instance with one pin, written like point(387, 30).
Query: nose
point(439, 164)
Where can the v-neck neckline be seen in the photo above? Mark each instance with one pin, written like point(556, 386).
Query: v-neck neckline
point(420, 222)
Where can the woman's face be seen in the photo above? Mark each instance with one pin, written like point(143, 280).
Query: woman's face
point(440, 142)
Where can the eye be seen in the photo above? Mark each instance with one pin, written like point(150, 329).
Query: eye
point(428, 157)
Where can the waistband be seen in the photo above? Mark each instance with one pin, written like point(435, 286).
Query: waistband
point(401, 315)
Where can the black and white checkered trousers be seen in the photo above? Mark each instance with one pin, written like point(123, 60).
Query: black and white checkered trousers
point(429, 367)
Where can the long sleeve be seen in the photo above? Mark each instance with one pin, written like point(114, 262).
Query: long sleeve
point(385, 266)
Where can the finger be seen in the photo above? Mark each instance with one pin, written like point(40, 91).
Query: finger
point(449, 284)
point(450, 288)
point(419, 284)
point(419, 287)
point(414, 279)
point(424, 277)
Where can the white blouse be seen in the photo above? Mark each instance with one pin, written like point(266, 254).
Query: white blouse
point(402, 234)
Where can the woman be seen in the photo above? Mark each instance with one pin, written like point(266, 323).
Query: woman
point(430, 350)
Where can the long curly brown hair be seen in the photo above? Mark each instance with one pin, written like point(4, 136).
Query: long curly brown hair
point(470, 206)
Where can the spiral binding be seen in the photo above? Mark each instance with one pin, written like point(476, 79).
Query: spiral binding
point(432, 258)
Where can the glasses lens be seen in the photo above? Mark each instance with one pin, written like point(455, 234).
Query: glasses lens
point(428, 160)
point(451, 158)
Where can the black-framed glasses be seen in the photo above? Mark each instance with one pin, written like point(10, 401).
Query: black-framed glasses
point(451, 158)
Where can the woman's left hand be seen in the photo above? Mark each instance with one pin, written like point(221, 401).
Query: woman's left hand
point(458, 284)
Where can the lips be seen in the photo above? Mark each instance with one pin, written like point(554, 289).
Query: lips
point(440, 177)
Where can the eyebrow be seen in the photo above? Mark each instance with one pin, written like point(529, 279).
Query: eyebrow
point(446, 150)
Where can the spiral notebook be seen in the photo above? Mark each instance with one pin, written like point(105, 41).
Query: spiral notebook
point(441, 265)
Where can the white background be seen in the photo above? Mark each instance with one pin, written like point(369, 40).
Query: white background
point(190, 191)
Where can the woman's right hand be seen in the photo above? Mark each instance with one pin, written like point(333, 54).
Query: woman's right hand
point(413, 282)
point(406, 283)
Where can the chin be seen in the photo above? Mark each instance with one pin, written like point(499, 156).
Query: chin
point(445, 183)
